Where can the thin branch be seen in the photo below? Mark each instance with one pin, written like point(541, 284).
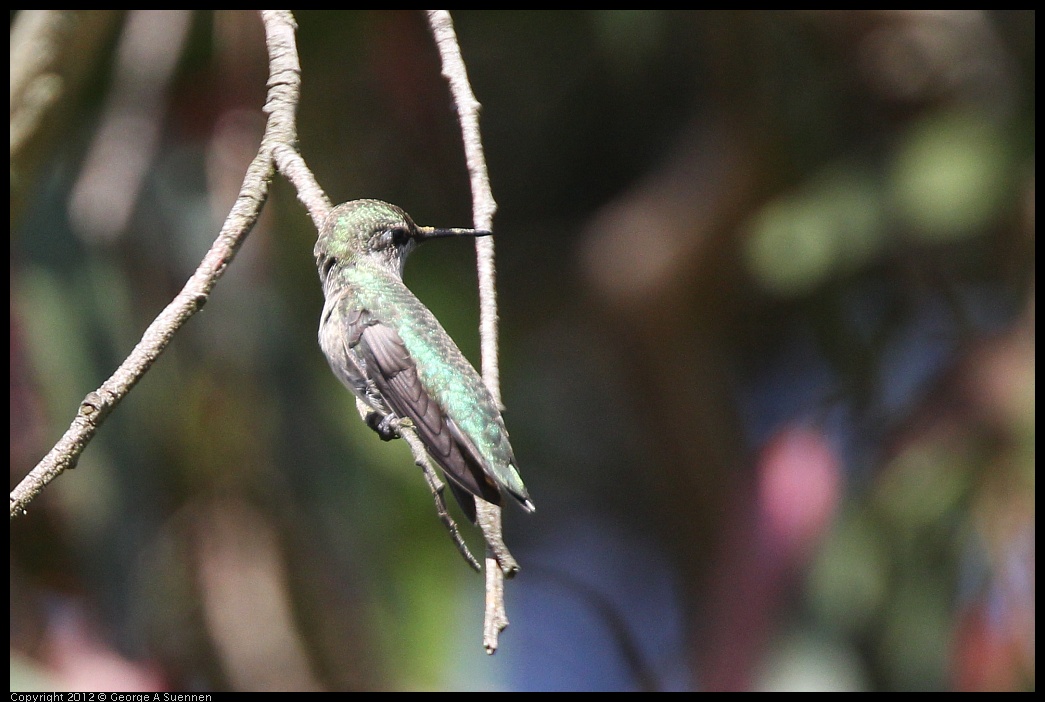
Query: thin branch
point(284, 86)
point(284, 79)
point(279, 26)
point(292, 166)
point(417, 448)
point(278, 151)
point(407, 433)
point(499, 561)
point(483, 204)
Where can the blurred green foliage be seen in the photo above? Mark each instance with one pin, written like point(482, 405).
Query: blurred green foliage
point(713, 227)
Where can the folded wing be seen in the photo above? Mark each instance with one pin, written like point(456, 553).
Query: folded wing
point(393, 371)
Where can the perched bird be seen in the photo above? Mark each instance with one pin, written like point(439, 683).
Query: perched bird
point(391, 351)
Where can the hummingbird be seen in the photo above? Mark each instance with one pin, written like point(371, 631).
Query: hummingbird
point(389, 349)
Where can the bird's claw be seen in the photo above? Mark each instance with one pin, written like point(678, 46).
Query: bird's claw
point(386, 426)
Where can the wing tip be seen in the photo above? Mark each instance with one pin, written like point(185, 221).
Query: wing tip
point(523, 500)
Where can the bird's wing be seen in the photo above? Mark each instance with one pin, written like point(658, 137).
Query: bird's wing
point(393, 371)
point(339, 330)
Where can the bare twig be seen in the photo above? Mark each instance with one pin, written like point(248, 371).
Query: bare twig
point(417, 448)
point(435, 485)
point(499, 561)
point(279, 27)
point(280, 134)
point(284, 86)
point(483, 204)
point(291, 164)
point(278, 151)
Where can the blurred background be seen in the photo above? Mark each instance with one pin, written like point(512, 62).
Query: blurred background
point(766, 291)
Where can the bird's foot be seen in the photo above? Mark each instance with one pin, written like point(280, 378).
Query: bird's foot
point(386, 426)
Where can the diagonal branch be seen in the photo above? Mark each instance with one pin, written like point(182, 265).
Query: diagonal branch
point(277, 143)
point(278, 151)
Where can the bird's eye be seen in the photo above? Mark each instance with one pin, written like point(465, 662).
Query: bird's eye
point(399, 236)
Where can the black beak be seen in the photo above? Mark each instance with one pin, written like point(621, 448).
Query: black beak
point(433, 233)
